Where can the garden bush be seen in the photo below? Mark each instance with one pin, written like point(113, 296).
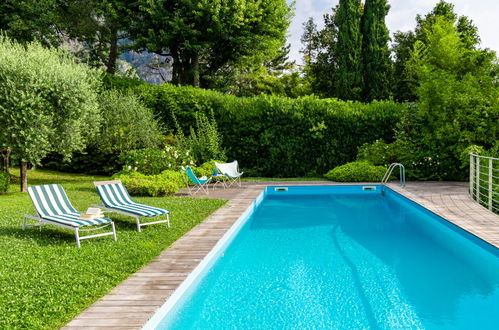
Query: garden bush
point(359, 171)
point(138, 184)
point(380, 153)
point(278, 136)
point(4, 181)
point(127, 124)
point(154, 161)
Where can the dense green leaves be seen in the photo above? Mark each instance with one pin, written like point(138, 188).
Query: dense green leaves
point(204, 36)
point(458, 103)
point(275, 136)
point(376, 63)
point(359, 171)
point(48, 103)
point(127, 124)
point(348, 50)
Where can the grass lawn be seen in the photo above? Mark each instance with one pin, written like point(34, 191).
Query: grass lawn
point(45, 280)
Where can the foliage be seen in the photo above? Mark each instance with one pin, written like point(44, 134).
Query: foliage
point(204, 141)
point(138, 184)
point(153, 161)
point(276, 136)
point(376, 63)
point(205, 37)
point(458, 104)
point(29, 20)
point(348, 50)
point(91, 161)
point(46, 281)
point(380, 153)
point(4, 181)
point(405, 81)
point(48, 103)
point(127, 124)
point(320, 63)
point(359, 171)
point(205, 169)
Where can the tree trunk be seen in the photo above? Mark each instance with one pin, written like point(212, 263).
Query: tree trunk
point(24, 176)
point(195, 70)
point(6, 158)
point(113, 51)
point(176, 67)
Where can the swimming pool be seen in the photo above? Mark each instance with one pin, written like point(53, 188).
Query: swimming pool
point(339, 257)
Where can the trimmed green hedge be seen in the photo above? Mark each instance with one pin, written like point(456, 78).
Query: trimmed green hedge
point(359, 171)
point(277, 136)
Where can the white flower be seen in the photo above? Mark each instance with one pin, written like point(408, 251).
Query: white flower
point(129, 167)
point(187, 153)
point(191, 162)
point(135, 169)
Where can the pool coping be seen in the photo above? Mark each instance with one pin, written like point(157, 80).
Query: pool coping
point(136, 300)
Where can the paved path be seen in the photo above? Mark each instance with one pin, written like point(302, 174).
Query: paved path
point(132, 303)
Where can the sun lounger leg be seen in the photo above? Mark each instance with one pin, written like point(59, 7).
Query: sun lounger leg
point(114, 231)
point(77, 236)
point(138, 223)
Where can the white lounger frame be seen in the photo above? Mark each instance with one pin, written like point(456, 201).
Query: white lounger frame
point(136, 216)
point(77, 230)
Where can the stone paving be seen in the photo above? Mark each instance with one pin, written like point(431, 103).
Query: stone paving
point(133, 302)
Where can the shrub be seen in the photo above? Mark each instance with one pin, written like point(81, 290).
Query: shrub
point(205, 169)
point(154, 161)
point(359, 171)
point(380, 153)
point(278, 136)
point(4, 181)
point(127, 124)
point(138, 184)
point(204, 141)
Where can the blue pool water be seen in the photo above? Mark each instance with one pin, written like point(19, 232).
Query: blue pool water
point(341, 257)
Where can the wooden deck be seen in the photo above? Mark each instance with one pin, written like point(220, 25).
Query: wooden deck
point(132, 303)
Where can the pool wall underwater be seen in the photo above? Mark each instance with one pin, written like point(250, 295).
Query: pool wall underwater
point(470, 253)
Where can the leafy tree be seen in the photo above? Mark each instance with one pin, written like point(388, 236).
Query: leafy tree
point(204, 37)
point(348, 50)
point(97, 25)
point(48, 103)
point(376, 63)
point(404, 84)
point(30, 20)
point(277, 76)
point(404, 43)
point(320, 64)
point(458, 105)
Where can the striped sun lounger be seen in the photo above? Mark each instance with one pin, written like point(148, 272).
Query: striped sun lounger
point(115, 198)
point(53, 207)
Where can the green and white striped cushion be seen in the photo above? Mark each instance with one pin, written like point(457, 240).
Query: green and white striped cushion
point(52, 204)
point(115, 196)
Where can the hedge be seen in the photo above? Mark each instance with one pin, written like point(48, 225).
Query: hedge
point(278, 136)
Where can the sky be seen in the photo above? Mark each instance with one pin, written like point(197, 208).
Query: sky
point(402, 17)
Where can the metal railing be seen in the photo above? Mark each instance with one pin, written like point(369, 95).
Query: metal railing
point(484, 181)
point(389, 172)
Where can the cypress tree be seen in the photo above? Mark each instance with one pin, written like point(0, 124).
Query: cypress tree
point(348, 50)
point(376, 63)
